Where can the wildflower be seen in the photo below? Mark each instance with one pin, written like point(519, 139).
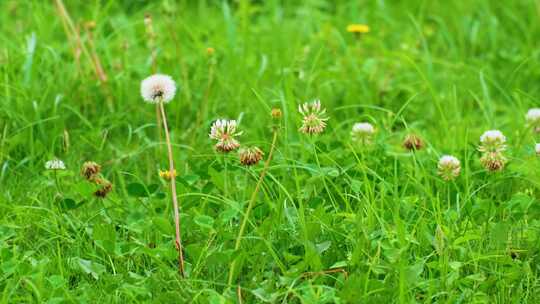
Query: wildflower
point(493, 161)
point(358, 28)
point(276, 113)
point(210, 51)
point(158, 88)
point(362, 132)
point(412, 142)
point(105, 187)
point(492, 141)
point(250, 156)
point(55, 164)
point(533, 118)
point(314, 119)
point(449, 167)
point(90, 170)
point(537, 149)
point(167, 175)
point(224, 131)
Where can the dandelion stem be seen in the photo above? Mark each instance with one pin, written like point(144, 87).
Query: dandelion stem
point(251, 202)
point(173, 191)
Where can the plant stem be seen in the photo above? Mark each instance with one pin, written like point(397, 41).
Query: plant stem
point(173, 191)
point(251, 202)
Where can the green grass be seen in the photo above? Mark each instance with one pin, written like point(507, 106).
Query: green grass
point(446, 70)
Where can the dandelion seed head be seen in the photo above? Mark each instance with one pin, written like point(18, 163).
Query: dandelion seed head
point(158, 88)
point(313, 117)
point(224, 131)
point(55, 164)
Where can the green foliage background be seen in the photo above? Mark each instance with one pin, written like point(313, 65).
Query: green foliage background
point(446, 70)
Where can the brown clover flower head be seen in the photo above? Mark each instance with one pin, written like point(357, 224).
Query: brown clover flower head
point(250, 156)
point(90, 170)
point(412, 142)
point(224, 131)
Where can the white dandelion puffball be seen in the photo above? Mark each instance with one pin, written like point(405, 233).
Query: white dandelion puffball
point(492, 136)
point(363, 128)
point(537, 149)
point(55, 164)
point(158, 88)
point(533, 115)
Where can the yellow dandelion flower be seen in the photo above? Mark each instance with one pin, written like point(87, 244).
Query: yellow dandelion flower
point(358, 28)
point(167, 174)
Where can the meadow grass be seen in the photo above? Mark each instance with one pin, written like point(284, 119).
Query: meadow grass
point(332, 222)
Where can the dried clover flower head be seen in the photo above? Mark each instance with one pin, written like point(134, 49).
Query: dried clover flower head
point(105, 187)
point(533, 118)
point(158, 88)
point(449, 167)
point(55, 164)
point(224, 131)
point(250, 156)
point(493, 161)
point(362, 132)
point(90, 170)
point(492, 141)
point(276, 113)
point(167, 175)
point(314, 118)
point(412, 142)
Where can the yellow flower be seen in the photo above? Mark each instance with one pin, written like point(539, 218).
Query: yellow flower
point(167, 174)
point(358, 28)
point(210, 51)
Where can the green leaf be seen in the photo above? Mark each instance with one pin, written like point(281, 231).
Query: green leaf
point(204, 221)
point(137, 190)
point(89, 267)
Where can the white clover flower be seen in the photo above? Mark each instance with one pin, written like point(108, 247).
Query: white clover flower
point(449, 167)
point(55, 164)
point(158, 88)
point(224, 131)
point(314, 118)
point(533, 118)
point(492, 141)
point(537, 149)
point(362, 132)
point(533, 115)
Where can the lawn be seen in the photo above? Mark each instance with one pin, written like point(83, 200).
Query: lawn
point(319, 212)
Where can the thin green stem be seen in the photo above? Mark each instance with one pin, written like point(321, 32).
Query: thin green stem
point(238, 241)
point(178, 240)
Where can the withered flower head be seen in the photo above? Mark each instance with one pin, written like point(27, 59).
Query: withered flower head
point(493, 161)
point(90, 170)
point(412, 142)
point(250, 156)
point(105, 187)
point(276, 113)
point(224, 131)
